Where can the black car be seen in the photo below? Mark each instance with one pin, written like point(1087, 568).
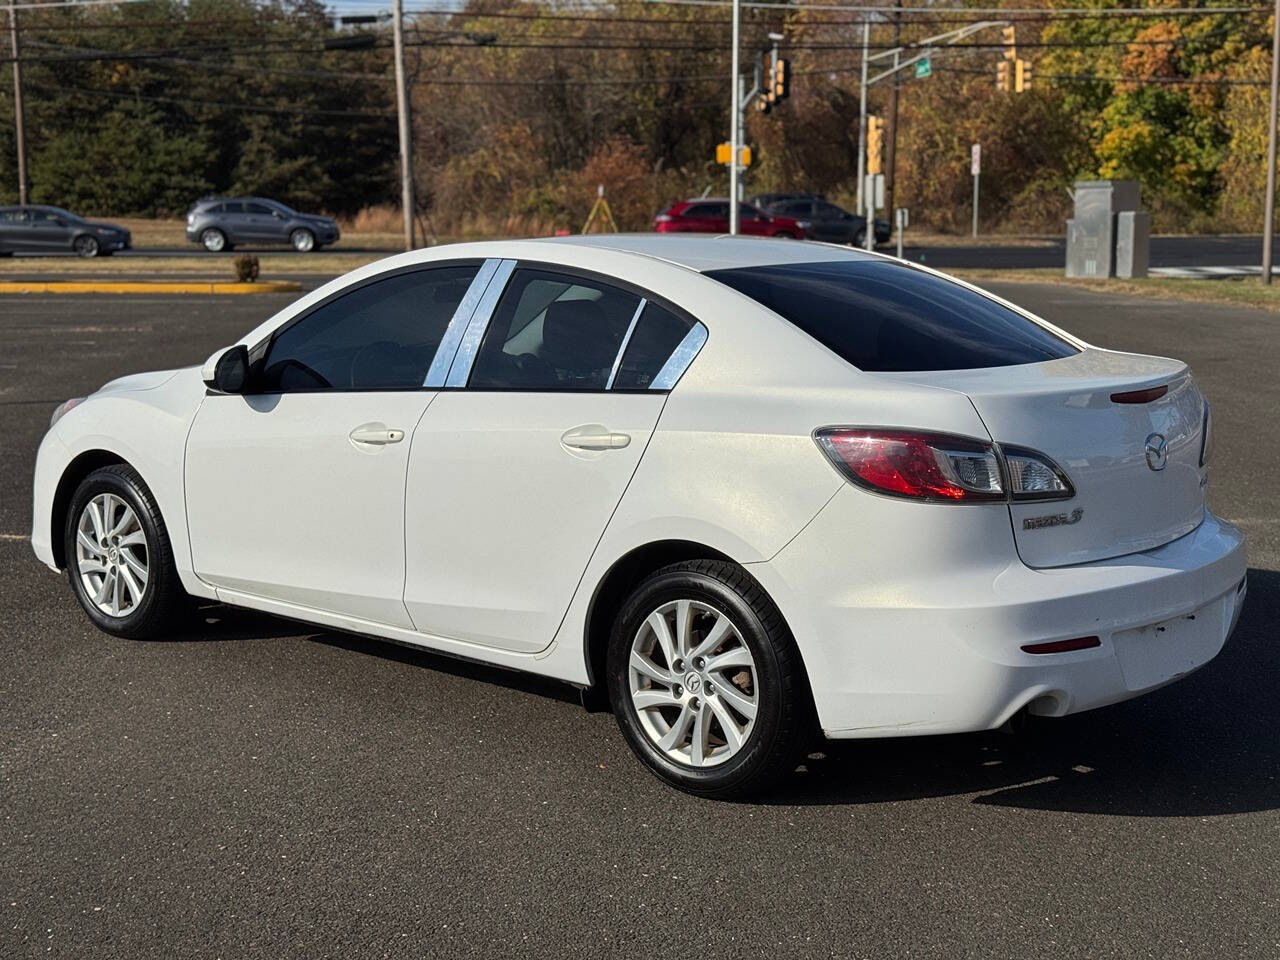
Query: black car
point(219, 223)
point(829, 222)
point(40, 229)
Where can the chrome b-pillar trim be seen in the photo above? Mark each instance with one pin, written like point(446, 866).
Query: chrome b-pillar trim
point(460, 369)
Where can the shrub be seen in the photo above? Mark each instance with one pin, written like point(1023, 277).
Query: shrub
point(246, 268)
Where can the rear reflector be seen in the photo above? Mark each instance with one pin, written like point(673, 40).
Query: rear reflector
point(1140, 396)
point(1062, 646)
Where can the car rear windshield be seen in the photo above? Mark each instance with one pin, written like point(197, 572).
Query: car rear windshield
point(882, 316)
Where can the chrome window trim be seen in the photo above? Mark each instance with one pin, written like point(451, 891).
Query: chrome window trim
point(448, 349)
point(460, 368)
point(680, 358)
point(626, 339)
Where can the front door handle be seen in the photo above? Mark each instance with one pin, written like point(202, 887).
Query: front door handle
point(595, 437)
point(376, 434)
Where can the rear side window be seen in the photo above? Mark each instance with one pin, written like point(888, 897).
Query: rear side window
point(657, 334)
point(707, 210)
point(883, 316)
point(234, 206)
point(553, 332)
point(381, 336)
point(261, 209)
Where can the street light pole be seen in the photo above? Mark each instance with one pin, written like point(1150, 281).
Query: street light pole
point(19, 119)
point(1268, 225)
point(406, 133)
point(734, 132)
point(862, 115)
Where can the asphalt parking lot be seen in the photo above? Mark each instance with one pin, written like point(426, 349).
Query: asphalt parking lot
point(260, 789)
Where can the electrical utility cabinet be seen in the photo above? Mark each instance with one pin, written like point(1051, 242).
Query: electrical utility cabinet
point(1108, 236)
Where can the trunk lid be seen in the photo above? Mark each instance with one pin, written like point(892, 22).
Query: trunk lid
point(1064, 410)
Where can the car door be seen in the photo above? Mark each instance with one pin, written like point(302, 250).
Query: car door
point(296, 490)
point(48, 231)
point(234, 222)
point(12, 230)
point(516, 469)
point(261, 223)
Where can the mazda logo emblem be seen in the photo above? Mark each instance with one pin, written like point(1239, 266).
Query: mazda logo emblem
point(1157, 450)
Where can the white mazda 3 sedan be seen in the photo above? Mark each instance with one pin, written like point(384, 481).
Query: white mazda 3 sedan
point(746, 486)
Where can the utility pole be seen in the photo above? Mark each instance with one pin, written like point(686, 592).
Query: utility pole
point(735, 92)
point(1268, 226)
point(891, 154)
point(862, 116)
point(406, 129)
point(19, 119)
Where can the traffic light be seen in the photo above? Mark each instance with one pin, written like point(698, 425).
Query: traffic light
point(1002, 76)
point(1010, 36)
point(781, 80)
point(1022, 75)
point(875, 143)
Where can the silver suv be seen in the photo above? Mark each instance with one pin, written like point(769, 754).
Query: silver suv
point(219, 223)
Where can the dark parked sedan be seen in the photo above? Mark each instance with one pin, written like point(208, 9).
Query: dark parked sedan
point(829, 222)
point(219, 223)
point(40, 229)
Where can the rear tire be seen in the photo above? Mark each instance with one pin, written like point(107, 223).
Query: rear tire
point(119, 557)
point(670, 699)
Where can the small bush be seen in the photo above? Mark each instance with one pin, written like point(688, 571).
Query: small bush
point(246, 267)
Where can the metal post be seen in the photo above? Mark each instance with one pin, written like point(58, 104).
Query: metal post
point(891, 160)
point(862, 115)
point(733, 121)
point(1268, 226)
point(975, 204)
point(898, 218)
point(19, 118)
point(406, 131)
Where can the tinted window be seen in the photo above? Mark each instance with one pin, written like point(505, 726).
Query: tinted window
point(44, 216)
point(233, 207)
point(707, 210)
point(11, 216)
point(553, 332)
point(381, 336)
point(657, 334)
point(217, 208)
point(828, 211)
point(882, 316)
point(259, 208)
point(799, 208)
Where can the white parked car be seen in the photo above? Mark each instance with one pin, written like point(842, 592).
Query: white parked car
point(742, 485)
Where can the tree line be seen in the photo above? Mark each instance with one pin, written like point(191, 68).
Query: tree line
point(520, 109)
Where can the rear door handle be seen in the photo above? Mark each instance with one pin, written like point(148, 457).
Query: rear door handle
point(376, 434)
point(595, 437)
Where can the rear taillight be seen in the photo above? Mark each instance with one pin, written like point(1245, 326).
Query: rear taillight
point(923, 466)
point(1206, 437)
point(941, 467)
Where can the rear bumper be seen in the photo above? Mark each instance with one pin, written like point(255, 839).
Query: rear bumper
point(940, 651)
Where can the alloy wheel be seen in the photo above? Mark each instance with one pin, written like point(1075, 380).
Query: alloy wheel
point(86, 246)
point(213, 240)
point(111, 555)
point(693, 683)
point(303, 241)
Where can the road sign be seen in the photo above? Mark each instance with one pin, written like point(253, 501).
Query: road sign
point(724, 154)
point(901, 216)
point(975, 163)
point(874, 190)
point(923, 68)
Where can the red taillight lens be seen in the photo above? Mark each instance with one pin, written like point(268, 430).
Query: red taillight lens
point(924, 466)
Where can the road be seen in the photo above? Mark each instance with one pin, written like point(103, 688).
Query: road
point(262, 789)
point(1180, 251)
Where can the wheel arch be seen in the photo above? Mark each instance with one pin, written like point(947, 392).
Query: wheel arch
point(620, 579)
point(75, 471)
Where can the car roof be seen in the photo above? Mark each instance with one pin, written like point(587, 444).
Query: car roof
point(704, 251)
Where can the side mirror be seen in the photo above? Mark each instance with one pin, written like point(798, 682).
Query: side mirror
point(230, 373)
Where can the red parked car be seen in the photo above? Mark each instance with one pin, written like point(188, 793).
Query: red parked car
point(711, 215)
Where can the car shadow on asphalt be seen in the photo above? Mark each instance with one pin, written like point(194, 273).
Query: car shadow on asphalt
point(1205, 746)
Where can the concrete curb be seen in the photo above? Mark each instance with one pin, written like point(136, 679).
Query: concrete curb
point(148, 286)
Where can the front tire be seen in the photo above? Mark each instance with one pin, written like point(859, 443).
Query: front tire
point(304, 241)
point(213, 240)
point(119, 558)
point(706, 681)
point(85, 246)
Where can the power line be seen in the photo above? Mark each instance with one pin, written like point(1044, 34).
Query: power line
point(217, 104)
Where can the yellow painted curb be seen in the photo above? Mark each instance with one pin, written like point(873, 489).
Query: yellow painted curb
point(147, 286)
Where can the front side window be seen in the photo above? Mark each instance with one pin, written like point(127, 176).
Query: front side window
point(552, 331)
point(380, 336)
point(882, 316)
